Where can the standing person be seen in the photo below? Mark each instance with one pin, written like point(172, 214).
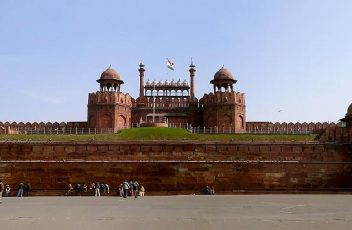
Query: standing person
point(212, 188)
point(121, 189)
point(102, 188)
point(136, 189)
point(7, 190)
point(70, 190)
point(131, 188)
point(92, 186)
point(126, 188)
point(97, 189)
point(85, 187)
point(20, 189)
point(142, 190)
point(2, 187)
point(28, 188)
point(107, 188)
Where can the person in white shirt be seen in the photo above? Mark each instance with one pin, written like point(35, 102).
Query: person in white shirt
point(7, 190)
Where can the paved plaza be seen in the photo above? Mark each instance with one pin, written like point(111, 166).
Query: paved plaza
point(178, 212)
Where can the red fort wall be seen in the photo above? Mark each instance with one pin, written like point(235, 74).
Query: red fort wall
point(179, 168)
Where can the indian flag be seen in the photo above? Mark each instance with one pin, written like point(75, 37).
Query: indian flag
point(170, 64)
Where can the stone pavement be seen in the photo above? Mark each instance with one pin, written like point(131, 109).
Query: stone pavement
point(178, 212)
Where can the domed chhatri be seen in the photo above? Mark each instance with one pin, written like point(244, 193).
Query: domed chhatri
point(110, 74)
point(110, 80)
point(223, 74)
point(223, 79)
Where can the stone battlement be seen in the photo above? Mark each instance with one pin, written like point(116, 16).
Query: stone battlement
point(22, 128)
point(223, 97)
point(290, 128)
point(109, 97)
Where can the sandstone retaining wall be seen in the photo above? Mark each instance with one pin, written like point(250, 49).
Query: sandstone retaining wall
point(179, 167)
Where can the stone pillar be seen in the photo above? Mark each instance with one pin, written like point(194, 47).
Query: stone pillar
point(192, 71)
point(141, 79)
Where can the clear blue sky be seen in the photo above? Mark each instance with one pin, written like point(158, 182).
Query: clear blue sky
point(294, 56)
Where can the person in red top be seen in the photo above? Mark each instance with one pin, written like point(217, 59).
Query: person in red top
point(212, 189)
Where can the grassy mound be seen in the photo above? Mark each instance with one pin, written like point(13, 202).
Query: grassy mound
point(155, 134)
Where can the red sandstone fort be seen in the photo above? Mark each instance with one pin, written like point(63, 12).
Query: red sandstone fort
point(172, 102)
point(179, 167)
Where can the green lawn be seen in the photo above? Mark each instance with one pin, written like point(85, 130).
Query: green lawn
point(159, 134)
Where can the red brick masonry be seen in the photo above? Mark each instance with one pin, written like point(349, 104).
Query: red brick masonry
point(179, 167)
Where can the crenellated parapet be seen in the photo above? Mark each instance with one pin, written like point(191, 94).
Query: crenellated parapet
point(33, 127)
point(223, 98)
point(290, 127)
point(109, 97)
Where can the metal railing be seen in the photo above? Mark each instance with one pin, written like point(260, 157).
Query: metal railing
point(67, 131)
point(204, 130)
point(231, 130)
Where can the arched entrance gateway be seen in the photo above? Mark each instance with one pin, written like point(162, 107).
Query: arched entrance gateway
point(122, 121)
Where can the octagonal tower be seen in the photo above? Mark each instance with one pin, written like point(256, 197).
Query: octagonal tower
point(109, 108)
point(224, 108)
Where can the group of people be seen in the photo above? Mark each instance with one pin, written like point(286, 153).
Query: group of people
point(125, 189)
point(97, 187)
point(209, 189)
point(100, 187)
point(131, 189)
point(22, 189)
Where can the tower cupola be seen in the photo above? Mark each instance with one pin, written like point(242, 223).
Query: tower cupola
point(223, 79)
point(110, 80)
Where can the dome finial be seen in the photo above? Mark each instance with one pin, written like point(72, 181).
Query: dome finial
point(192, 65)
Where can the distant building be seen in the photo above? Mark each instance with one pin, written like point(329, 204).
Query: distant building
point(172, 101)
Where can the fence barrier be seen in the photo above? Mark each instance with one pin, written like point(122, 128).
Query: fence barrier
point(202, 130)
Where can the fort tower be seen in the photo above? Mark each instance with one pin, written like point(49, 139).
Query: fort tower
point(109, 108)
point(224, 108)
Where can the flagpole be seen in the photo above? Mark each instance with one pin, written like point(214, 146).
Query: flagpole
point(167, 71)
point(154, 104)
